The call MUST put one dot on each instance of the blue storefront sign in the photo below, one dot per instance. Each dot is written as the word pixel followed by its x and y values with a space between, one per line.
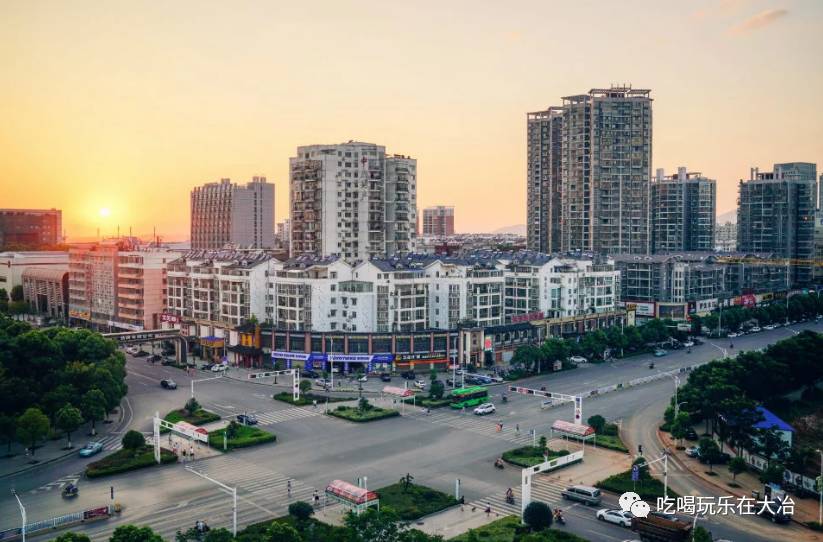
pixel 325 359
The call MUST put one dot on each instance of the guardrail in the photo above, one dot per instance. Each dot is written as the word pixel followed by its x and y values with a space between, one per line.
pixel 92 514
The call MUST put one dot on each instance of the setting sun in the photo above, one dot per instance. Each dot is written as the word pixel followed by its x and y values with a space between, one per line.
pixel 104 212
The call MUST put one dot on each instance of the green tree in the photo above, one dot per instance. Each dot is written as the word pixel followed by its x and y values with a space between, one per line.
pixel 282 532
pixel 542 442
pixel 709 452
pixel 301 510
pixel 72 537
pixel 67 420
pixel 17 293
pixel 32 426
pixel 305 386
pixel 93 406
pixel 680 426
pixel 406 481
pixel 772 446
pixel 773 474
pixel 737 465
pixel 192 406
pixel 132 533
pixel 538 515
pixel 437 389
pixel 133 440
pixel 218 535
pixel 8 430
pixel 700 534
pixel 597 422
pixel 374 526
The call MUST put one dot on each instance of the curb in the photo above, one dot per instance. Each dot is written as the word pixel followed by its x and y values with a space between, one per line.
pixel 718 486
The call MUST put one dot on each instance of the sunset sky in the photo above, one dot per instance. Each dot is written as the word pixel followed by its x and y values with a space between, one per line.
pixel 126 105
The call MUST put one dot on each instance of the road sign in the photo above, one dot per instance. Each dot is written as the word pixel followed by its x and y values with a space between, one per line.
pixel 635 473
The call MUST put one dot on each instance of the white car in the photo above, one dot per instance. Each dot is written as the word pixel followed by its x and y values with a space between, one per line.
pixel 420 384
pixel 755 329
pixel 618 517
pixel 321 382
pixel 688 344
pixel 485 408
pixel 732 335
pixel 770 326
pixel 495 378
pixel 364 378
pixel 578 359
pixel 218 368
pixel 132 350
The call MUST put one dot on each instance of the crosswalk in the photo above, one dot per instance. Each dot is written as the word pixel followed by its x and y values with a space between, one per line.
pixel 543 489
pixel 279 416
pixel 482 425
pixel 262 494
pixel 57 484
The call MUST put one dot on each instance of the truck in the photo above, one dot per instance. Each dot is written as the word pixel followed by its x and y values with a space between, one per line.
pixel 658 529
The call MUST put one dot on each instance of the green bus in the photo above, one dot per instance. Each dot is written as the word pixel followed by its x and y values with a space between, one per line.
pixel 469 397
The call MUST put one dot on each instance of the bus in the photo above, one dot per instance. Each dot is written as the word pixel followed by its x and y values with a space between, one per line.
pixel 469 397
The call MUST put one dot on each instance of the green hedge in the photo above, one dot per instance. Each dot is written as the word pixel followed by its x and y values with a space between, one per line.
pixel 353 414
pixel 416 502
pixel 309 398
pixel 647 487
pixel 428 403
pixel 127 460
pixel 529 456
pixel 246 436
pixel 509 529
pixel 200 417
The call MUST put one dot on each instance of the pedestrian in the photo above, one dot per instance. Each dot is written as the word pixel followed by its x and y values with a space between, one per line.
pixel 191 452
pixel 314 402
pixel 288 487
pixel 517 428
pixel 184 454
pixel 316 499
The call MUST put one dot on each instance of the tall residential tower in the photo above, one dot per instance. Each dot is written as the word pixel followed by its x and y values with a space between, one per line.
pixel 227 213
pixel 438 221
pixel 544 130
pixel 682 212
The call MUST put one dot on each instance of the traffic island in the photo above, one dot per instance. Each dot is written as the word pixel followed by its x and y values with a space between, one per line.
pixel 239 436
pixel 197 416
pixel 508 529
pixel 648 487
pixel 529 456
pixel 362 415
pixel 412 501
pixel 306 399
pixel 126 460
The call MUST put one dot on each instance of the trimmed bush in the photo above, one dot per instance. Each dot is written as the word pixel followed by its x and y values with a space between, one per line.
pixel 243 437
pixel 415 502
pixel 301 510
pixel 528 456
pixel 126 460
pixel 538 515
pixel 354 414
pixel 309 398
pixel 200 417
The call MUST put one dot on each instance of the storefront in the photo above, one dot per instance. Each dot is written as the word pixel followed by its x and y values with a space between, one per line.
pixel 344 363
pixel 421 362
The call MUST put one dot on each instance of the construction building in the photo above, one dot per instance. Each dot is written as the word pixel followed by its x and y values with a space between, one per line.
pixel 225 213
pixel 682 212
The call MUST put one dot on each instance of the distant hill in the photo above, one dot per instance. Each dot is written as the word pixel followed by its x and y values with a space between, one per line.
pixel 517 229
pixel 729 216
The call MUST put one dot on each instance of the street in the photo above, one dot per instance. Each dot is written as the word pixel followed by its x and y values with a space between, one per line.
pixel 312 449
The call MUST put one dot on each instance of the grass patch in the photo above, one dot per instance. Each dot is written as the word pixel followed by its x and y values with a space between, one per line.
pixel 354 414
pixel 416 502
pixel 611 442
pixel 245 436
pixel 529 456
pixel 199 417
pixel 647 487
pixel 127 460
pixel 309 398
pixel 425 402
pixel 508 529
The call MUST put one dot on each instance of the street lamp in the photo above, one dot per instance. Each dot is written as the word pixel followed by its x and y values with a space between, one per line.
pixel 22 513
pixel 819 491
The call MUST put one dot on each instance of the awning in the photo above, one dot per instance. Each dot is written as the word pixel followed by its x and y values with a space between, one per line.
pixel 350 492
pixel 400 392
pixel 576 429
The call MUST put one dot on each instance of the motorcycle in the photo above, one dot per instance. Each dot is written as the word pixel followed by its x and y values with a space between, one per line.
pixel 558 517
pixel 651 365
pixel 505 399
pixel 509 499
pixel 70 491
pixel 498 463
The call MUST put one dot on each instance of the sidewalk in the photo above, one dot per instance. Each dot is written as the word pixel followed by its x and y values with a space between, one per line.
pixel 804 509
pixel 54 450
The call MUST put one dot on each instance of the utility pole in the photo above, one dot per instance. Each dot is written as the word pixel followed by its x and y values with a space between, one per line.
pixel 226 489
pixel 22 513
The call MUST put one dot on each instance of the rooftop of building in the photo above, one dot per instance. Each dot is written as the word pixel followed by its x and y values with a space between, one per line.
pixel 50 273
pixel 688 256
pixel 234 257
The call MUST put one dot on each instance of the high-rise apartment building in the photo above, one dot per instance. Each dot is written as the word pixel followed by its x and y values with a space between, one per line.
pixel 682 212
pixel 775 214
pixel 544 130
pixel 227 213
pixel 352 200
pixel 30 228
pixel 725 237
pixel 118 285
pixel 605 170
pixel 438 221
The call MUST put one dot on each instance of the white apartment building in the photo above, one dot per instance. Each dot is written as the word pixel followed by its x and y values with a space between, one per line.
pixel 218 290
pixel 13 264
pixel 352 200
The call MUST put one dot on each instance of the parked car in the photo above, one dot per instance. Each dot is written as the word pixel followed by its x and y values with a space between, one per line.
pixel 693 451
pixel 494 378
pixel 141 354
pixel 588 495
pixel 659 353
pixel 485 408
pixel 733 335
pixel 770 327
pixel 691 434
pixel 385 377
pixel 420 384
pixel 755 329
pixel 450 382
pixel 721 459
pixel 307 373
pixel 688 344
pixel 321 382
pixel 168 384
pixel 408 375
pixel 247 419
pixel 578 359
pixel 618 517
pixel 363 378
pixel 154 358
pixel 90 449
pixel 218 367
pixel 133 350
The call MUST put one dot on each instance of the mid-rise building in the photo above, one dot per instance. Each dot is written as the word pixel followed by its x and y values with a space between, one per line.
pixel 775 215
pixel 543 189
pixel 14 264
pixel 46 291
pixel 22 229
pixel 605 170
pixel 725 237
pixel 682 212
pixel 117 284
pixel 352 200
pixel 226 213
pixel 438 221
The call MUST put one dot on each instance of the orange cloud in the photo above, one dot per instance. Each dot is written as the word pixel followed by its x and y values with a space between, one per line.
pixel 762 19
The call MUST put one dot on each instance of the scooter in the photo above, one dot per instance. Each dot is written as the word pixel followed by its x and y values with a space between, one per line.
pixel 505 399
pixel 70 491
pixel 651 365
pixel 558 517
pixel 498 464
pixel 509 499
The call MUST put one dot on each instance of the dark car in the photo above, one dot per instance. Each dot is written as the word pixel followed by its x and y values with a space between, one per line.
pixel 141 354
pixel 385 377
pixel 691 434
pixel 154 358
pixel 450 382
pixel 168 384
pixel 408 375
pixel 247 419
pixel 307 373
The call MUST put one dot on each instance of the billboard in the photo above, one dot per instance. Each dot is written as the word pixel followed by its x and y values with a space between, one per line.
pixel 170 318
pixel 672 311
pixel 536 315
pixel 642 308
